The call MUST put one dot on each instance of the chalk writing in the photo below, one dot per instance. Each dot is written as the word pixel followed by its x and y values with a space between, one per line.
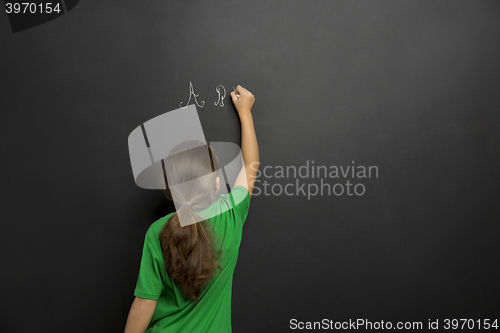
pixel 220 96
pixel 191 92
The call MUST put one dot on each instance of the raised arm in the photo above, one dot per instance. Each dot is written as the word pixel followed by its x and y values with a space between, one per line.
pixel 243 101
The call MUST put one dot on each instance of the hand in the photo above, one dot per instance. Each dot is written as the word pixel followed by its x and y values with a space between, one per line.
pixel 244 102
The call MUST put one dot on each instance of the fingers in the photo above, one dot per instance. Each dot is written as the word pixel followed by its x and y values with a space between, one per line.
pixel 240 90
pixel 233 96
pixel 242 98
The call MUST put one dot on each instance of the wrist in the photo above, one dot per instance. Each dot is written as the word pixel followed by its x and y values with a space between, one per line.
pixel 243 114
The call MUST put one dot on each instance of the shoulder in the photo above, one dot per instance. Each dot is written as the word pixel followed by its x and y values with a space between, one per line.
pixel 227 202
pixel 154 229
pixel 239 193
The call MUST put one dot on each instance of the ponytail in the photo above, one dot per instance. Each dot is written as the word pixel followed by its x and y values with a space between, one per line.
pixel 189 253
pixel 189 250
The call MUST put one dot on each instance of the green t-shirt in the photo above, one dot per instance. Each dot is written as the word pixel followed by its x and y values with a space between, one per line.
pixel 174 311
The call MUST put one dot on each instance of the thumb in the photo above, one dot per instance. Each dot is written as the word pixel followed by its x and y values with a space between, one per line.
pixel 233 96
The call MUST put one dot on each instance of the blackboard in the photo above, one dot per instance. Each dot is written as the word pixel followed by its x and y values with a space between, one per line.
pixel 409 88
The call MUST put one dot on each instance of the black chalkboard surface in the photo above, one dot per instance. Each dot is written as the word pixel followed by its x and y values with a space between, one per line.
pixel 403 93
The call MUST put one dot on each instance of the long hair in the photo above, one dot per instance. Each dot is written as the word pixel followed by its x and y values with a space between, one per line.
pixel 189 251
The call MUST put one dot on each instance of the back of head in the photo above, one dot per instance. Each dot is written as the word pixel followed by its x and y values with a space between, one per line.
pixel 191 171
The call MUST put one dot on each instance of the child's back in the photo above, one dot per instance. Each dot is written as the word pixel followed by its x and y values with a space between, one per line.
pixel 174 311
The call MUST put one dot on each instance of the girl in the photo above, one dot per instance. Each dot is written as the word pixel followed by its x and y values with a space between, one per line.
pixel 185 278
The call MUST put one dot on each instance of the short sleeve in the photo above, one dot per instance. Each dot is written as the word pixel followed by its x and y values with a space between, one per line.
pixel 149 283
pixel 240 199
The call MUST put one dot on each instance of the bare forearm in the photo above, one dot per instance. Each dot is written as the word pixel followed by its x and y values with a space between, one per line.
pixel 249 146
